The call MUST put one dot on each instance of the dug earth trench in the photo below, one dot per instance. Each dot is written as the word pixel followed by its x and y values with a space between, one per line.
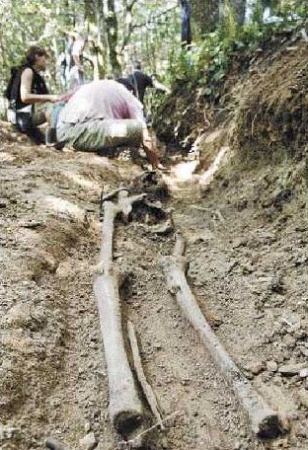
pixel 246 232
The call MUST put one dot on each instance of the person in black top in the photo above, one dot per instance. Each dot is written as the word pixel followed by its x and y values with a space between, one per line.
pixel 29 94
pixel 32 88
pixel 139 81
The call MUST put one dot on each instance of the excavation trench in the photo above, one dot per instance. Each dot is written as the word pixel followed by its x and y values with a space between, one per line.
pixel 126 412
pixel 55 383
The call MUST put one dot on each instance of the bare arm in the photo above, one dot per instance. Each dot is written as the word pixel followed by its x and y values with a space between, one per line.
pixel 77 62
pixel 77 51
pixel 160 86
pixel 25 90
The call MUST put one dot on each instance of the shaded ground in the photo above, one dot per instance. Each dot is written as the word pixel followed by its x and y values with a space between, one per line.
pixel 247 236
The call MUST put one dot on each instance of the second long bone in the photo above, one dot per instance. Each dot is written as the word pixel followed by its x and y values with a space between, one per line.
pixel 265 422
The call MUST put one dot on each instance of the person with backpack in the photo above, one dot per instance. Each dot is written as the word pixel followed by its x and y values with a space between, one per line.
pixel 28 94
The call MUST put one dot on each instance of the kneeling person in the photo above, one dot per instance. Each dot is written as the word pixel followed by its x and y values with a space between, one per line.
pixel 104 114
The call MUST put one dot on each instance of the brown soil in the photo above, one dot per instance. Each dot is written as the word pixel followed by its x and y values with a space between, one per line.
pixel 246 231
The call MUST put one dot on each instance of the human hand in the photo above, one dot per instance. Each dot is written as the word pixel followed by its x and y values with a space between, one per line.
pixel 162 168
pixel 55 98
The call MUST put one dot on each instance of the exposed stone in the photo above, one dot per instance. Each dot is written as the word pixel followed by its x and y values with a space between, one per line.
pixel 304 373
pixel 254 367
pixel 271 366
pixel 303 397
pixel 88 442
pixel 87 427
pixel 292 369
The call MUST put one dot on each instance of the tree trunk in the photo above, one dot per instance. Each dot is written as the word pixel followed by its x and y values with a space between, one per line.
pixel 205 15
pixel 238 9
pixel 112 37
pixel 185 22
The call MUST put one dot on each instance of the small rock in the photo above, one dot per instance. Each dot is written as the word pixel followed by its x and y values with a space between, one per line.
pixel 304 351
pixel 87 427
pixel 53 444
pixel 289 341
pixel 277 284
pixel 240 242
pixel 157 345
pixel 31 223
pixel 88 442
pixel 277 380
pixel 64 270
pixel 303 373
pixel 303 397
pixel 292 369
pixel 254 367
pixel 163 229
pixel 272 366
pixel 7 432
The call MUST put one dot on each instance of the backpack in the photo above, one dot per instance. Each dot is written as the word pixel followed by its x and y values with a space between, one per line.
pixel 9 88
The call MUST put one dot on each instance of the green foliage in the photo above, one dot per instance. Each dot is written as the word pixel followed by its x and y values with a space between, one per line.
pixel 143 28
pixel 205 66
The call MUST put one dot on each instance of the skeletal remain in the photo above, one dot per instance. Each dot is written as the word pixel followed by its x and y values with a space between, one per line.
pixel 147 389
pixel 130 444
pixel 265 422
pixel 125 407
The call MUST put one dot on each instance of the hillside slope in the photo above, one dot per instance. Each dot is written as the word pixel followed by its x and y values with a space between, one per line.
pixel 240 201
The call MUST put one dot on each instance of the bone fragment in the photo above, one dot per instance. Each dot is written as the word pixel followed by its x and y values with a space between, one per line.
pixel 111 195
pixel 125 407
pixel 167 420
pixel 265 422
pixel 147 389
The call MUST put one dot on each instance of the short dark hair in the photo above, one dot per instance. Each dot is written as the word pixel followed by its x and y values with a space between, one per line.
pixel 127 84
pixel 137 65
pixel 34 51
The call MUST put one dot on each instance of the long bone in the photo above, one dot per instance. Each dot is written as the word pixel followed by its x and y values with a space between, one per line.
pixel 125 407
pixel 265 422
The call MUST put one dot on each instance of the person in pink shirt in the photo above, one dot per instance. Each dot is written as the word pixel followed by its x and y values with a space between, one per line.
pixel 103 114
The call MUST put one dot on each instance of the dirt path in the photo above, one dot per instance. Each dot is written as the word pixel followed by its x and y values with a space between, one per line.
pixel 53 372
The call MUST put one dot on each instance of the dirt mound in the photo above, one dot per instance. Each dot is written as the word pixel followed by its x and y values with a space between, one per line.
pixel 273 108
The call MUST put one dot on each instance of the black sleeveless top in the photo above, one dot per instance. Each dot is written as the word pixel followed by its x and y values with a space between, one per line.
pixel 38 86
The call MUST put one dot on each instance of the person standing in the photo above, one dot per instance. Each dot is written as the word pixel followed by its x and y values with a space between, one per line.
pixel 77 76
pixel 141 81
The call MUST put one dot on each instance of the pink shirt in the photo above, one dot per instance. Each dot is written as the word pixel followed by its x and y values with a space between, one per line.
pixel 102 99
